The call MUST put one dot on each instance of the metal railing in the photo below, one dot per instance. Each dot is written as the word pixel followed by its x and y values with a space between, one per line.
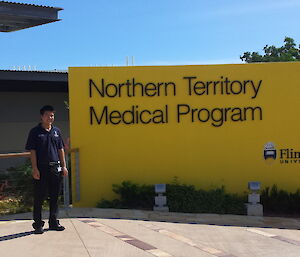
pixel 73 165
pixel 11 155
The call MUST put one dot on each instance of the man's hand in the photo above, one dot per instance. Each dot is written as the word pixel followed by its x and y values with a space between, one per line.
pixel 65 171
pixel 61 153
pixel 36 173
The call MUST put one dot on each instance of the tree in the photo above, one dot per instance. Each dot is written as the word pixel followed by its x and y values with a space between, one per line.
pixel 286 53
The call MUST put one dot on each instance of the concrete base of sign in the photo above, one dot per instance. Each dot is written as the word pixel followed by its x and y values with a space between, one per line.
pixel 254 209
pixel 158 208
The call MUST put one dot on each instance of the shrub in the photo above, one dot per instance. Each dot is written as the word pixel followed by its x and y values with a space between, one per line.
pixel 185 198
pixel 21 185
pixel 19 192
pixel 180 198
pixel 278 201
pixel 131 196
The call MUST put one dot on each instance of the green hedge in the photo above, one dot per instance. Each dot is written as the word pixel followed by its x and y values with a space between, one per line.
pixel 280 202
pixel 180 198
pixel 186 198
pixel 131 196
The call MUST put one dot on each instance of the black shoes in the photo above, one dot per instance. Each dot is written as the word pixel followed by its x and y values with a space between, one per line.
pixel 38 228
pixel 56 226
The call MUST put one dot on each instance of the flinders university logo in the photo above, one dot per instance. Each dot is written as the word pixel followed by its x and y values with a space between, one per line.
pixel 270 153
pixel 284 155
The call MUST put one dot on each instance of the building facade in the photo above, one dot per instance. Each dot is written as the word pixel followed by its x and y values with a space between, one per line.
pixel 22 94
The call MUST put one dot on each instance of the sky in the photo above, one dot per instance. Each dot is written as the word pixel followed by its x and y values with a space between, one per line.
pixel 154 32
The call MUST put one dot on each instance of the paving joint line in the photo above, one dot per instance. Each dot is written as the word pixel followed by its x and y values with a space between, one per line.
pixel 269 235
pixel 80 238
pixel 181 238
pixel 126 238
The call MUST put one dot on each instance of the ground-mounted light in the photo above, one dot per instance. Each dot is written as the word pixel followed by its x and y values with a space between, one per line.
pixel 254 208
pixel 160 200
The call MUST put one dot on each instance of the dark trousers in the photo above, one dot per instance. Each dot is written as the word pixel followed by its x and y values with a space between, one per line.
pixel 48 184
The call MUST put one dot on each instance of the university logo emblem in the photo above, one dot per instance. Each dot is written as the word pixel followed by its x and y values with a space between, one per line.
pixel 270 153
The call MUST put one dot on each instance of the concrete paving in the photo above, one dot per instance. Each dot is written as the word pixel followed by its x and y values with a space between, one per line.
pixel 98 236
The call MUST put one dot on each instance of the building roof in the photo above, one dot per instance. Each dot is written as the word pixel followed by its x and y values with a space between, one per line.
pixel 33 81
pixel 16 16
pixel 43 6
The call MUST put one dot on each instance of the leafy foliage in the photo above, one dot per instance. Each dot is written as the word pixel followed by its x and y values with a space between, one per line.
pixel 278 201
pixel 131 195
pixel 180 197
pixel 19 191
pixel 21 185
pixel 286 53
pixel 186 198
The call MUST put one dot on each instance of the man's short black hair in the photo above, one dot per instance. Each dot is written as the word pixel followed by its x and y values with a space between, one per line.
pixel 46 108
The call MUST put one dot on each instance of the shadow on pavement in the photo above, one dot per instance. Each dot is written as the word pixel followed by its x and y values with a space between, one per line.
pixel 14 236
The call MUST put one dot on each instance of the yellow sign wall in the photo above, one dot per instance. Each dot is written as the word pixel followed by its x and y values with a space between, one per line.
pixel 208 125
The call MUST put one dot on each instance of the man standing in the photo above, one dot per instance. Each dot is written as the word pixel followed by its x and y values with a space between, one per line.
pixel 48 166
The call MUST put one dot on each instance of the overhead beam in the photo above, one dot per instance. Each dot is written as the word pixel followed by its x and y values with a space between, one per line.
pixel 17 16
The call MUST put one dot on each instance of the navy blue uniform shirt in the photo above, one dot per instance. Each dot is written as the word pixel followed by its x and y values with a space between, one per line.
pixel 45 143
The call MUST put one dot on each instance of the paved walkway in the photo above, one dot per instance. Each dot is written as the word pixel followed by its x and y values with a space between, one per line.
pixel 86 237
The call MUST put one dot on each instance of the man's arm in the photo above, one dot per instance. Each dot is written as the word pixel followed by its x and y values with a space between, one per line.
pixel 35 170
pixel 62 159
